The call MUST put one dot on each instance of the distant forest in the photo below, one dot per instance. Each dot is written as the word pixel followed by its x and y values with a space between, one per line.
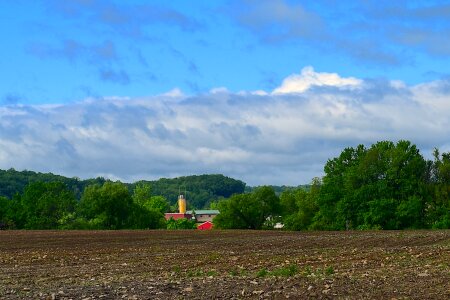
pixel 34 200
pixel 386 186
pixel 201 189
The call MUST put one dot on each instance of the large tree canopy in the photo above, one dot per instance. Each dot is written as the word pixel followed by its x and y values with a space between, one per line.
pixel 43 204
pixel 248 211
pixel 379 187
pixel 107 205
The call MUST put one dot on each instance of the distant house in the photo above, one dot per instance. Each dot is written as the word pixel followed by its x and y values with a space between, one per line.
pixel 205 226
pixel 203 215
pixel 177 216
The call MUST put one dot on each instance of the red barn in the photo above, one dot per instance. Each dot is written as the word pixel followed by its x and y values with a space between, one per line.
pixel 205 226
pixel 177 216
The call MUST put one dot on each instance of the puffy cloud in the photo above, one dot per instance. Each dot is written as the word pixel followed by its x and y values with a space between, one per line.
pixel 298 83
pixel 278 138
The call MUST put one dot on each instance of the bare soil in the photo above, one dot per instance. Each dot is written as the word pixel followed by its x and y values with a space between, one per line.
pixel 224 265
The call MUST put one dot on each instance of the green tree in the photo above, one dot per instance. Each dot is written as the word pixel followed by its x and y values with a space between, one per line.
pixel 142 194
pixel 157 203
pixel 7 216
pixel 365 187
pixel 148 211
pixel 300 206
pixel 438 204
pixel 107 206
pixel 250 211
pixel 43 204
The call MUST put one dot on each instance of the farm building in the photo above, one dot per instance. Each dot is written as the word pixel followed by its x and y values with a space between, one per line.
pixel 181 214
pixel 177 216
pixel 205 226
pixel 203 217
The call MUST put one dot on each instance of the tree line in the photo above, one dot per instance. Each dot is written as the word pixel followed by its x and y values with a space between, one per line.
pixel 202 189
pixel 385 186
pixel 52 205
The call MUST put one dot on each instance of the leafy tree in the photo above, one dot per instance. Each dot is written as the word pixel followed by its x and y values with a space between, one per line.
pixel 7 216
pixel 366 187
pixel 248 210
pixel 142 194
pixel 438 204
pixel 142 218
pixel 148 211
pixel 157 203
pixel 335 186
pixel 44 204
pixel 300 206
pixel 108 206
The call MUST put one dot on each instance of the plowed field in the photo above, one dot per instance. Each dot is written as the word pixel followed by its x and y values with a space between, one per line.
pixel 224 265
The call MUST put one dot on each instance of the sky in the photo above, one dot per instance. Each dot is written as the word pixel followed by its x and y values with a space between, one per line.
pixel 263 91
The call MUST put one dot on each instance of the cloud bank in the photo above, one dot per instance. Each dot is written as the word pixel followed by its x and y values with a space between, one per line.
pixel 282 136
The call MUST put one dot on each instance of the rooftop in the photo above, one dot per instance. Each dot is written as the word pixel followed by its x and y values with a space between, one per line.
pixel 204 212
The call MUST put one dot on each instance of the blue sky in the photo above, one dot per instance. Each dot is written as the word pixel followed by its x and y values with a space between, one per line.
pixel 264 91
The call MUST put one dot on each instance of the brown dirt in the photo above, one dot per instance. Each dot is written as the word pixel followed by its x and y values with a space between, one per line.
pixel 224 265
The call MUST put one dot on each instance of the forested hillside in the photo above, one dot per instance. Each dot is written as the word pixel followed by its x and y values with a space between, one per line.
pixel 13 182
pixel 200 189
pixel 30 200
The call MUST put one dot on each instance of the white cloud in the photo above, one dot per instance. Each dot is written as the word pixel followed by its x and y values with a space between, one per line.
pixel 299 83
pixel 174 93
pixel 219 90
pixel 283 138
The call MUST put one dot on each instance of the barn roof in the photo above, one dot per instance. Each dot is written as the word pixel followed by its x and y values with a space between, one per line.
pixel 204 212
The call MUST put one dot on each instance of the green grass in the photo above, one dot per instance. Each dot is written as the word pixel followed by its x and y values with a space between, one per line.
pixel 329 270
pixel 262 273
pixel 286 271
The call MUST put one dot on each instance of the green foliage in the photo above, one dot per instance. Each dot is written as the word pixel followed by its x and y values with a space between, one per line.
pixel 142 194
pixel 248 211
pixel 107 206
pixel 438 204
pixel 143 218
pixel 13 182
pixel 262 273
pixel 329 271
pixel 44 204
pixel 385 186
pixel 181 224
pixel 7 215
pixel 157 203
pixel 201 189
pixel 382 186
pixel 300 206
pixel 147 211
pixel 284 271
pixel 287 271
